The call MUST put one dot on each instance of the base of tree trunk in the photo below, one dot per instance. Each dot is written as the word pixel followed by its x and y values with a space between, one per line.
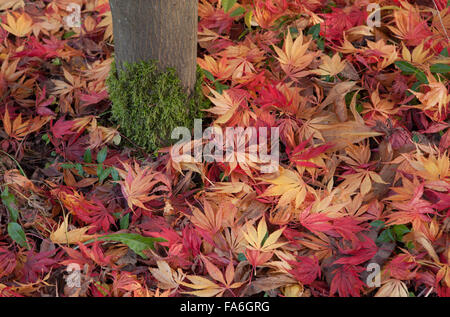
pixel 149 103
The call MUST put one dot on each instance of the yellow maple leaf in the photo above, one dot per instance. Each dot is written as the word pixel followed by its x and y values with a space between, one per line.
pixel 62 235
pixel 11 4
pixel 290 186
pixel 294 57
pixel 435 100
pixel 18 24
pixel 259 240
pixel 331 66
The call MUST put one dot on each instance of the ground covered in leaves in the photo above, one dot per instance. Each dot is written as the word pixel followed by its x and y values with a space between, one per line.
pixel 363 181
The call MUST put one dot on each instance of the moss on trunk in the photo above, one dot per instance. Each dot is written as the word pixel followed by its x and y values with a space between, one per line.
pixel 148 103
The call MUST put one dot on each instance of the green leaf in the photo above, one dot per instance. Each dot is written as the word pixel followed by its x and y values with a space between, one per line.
pixel 440 68
pixel 409 69
pixel 208 75
pixel 314 31
pixel 444 52
pixel 9 201
pixel 87 157
pixel 221 87
pixel 386 236
pixel 115 175
pixel 46 138
pixel 400 231
pixel 80 170
pixel 104 175
pixel 377 224
pixel 68 34
pixel 56 61
pixel 101 156
pixel 16 233
pixel 248 19
pixel 420 75
pixel 237 12
pixel 67 166
pixel 406 67
pixel 228 4
pixel 241 257
pixel 125 222
pixel 134 241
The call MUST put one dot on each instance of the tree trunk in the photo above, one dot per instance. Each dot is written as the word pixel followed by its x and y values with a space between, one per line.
pixel 162 30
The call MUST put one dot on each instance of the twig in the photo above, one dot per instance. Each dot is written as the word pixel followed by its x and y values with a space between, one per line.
pixel 440 19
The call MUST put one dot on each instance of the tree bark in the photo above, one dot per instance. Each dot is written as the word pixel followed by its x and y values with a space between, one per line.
pixel 162 30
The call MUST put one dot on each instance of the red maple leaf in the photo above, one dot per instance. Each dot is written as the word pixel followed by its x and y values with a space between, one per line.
pixel 306 270
pixel 346 281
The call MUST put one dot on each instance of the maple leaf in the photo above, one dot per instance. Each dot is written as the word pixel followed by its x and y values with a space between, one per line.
pixel 166 276
pixel 63 236
pixel 95 254
pixel 208 288
pixel 18 24
pixel 125 282
pixel 415 211
pixel 309 158
pixel 346 281
pixel 37 264
pixel 209 220
pixel 294 57
pixel 290 186
pixel 306 270
pixel 7 262
pixel 331 66
pixel 393 288
pixel 222 70
pixel 410 26
pixel 225 105
pixel 359 252
pixel 12 4
pixel 436 100
pixel 18 129
pixel 260 240
pixel 140 182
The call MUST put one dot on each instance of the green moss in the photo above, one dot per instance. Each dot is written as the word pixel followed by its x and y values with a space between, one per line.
pixel 148 104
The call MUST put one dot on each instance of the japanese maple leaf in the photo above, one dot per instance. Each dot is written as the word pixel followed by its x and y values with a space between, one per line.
pixel 260 245
pixel 347 227
pixel 315 222
pixel 308 157
pixel 306 270
pixel 210 220
pixel 221 69
pixel 225 105
pixel 95 214
pixel 18 24
pixel 346 281
pixel 142 184
pixel 93 98
pixel 402 267
pixel 359 252
pixel 290 186
pixel 207 288
pixel 214 18
pixel 7 261
pixel 410 26
pixel 96 254
pixel 125 282
pixel 436 101
pixel 37 264
pixel 415 211
pixel 41 105
pixel 294 57
pixel 61 128
pixel 331 66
